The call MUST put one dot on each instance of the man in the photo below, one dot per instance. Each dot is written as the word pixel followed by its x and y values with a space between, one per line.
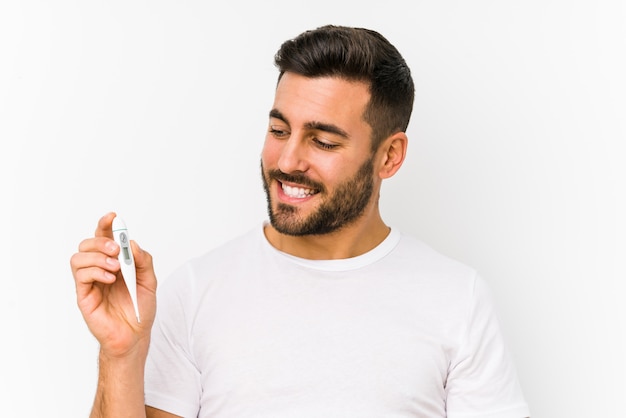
pixel 324 311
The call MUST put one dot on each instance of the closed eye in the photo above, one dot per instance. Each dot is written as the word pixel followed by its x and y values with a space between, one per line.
pixel 324 145
pixel 278 133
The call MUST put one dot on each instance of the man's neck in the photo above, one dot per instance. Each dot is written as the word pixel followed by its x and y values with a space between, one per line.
pixel 349 241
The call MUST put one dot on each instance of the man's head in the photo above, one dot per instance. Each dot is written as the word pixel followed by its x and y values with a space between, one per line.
pixel 342 104
pixel 361 55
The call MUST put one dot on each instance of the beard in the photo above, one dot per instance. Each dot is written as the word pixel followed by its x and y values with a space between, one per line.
pixel 339 209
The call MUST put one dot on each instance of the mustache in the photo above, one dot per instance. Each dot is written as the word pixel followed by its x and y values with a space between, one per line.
pixel 300 179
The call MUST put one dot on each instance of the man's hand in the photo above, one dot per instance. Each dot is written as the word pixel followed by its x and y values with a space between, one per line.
pixel 103 298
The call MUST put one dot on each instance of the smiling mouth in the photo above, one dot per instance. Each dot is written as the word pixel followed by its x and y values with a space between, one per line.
pixel 297 192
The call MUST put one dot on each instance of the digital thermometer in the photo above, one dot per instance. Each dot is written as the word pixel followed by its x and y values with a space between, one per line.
pixel 127 262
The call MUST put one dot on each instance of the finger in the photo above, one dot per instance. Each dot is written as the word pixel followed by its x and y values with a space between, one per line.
pixel 84 260
pixel 91 275
pixel 104 225
pixel 100 244
pixel 90 268
pixel 87 277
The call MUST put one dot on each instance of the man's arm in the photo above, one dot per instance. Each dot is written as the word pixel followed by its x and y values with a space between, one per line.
pixel 108 310
pixel 120 387
pixel 157 413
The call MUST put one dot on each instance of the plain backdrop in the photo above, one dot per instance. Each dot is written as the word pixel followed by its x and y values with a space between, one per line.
pixel 158 110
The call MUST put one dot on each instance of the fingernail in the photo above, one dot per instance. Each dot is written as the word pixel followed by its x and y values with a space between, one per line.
pixel 110 246
pixel 111 261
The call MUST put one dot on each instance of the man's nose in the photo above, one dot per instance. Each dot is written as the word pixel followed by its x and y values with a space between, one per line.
pixel 293 156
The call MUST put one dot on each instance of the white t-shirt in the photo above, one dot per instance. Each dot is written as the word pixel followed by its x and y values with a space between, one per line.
pixel 401 331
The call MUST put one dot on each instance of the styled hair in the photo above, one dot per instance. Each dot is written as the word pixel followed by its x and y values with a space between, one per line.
pixel 356 54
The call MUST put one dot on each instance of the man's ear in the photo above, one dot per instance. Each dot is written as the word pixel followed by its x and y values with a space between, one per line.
pixel 392 153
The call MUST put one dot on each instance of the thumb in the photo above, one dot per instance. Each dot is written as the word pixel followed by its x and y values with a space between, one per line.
pixel 144 267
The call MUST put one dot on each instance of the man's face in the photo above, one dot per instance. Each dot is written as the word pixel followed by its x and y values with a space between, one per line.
pixel 317 164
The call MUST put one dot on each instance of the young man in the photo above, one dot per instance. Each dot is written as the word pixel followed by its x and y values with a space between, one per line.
pixel 324 311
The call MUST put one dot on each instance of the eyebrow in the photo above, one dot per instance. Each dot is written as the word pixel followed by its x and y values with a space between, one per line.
pixel 320 126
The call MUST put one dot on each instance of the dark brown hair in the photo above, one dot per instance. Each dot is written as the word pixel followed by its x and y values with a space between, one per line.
pixel 361 55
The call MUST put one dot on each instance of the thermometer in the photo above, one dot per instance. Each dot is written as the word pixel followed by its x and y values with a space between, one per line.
pixel 127 262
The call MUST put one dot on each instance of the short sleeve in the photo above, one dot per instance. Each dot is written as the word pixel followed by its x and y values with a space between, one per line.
pixel 482 381
pixel 172 381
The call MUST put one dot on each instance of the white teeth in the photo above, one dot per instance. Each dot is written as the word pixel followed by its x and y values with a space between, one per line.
pixel 297 192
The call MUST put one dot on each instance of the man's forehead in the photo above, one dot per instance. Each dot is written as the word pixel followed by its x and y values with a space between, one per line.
pixel 320 97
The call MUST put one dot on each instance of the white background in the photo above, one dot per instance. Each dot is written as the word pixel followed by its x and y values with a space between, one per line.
pixel 157 110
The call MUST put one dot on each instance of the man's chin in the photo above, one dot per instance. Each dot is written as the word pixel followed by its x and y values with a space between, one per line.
pixel 301 227
pixel 288 227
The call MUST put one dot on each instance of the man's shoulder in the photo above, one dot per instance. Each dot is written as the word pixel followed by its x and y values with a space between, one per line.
pixel 242 245
pixel 220 258
pixel 417 252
